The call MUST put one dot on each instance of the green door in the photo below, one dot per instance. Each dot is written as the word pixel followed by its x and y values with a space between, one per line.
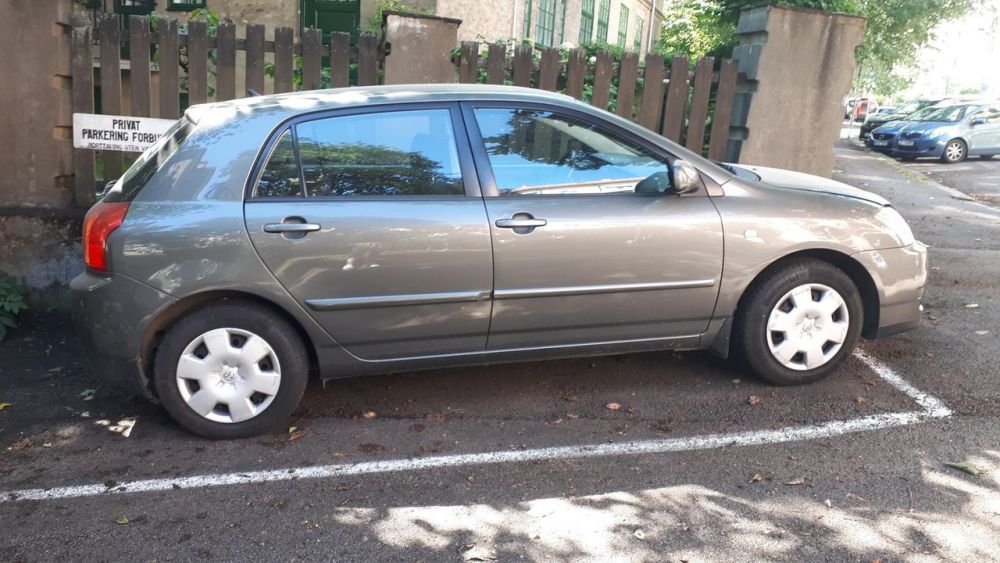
pixel 332 15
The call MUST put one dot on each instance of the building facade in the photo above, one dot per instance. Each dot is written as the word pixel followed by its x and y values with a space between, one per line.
pixel 629 24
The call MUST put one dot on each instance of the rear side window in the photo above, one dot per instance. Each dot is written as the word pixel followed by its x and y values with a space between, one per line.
pixel 393 153
pixel 280 177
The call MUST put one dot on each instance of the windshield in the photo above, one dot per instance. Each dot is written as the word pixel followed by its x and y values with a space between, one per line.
pixel 950 114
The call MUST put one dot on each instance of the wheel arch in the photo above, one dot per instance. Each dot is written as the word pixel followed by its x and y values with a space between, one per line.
pixel 178 310
pixel 870 301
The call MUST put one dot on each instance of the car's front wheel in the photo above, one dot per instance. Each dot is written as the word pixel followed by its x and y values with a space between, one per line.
pixel 799 323
pixel 231 370
pixel 954 152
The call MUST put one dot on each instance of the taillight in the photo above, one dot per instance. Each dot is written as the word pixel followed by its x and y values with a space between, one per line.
pixel 99 223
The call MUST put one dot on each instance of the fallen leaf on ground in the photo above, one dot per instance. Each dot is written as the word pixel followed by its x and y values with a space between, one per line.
pixel 557 421
pixel 966 467
pixel 121 520
pixel 472 552
pixel 828 503
pixel 860 400
pixel 982 332
pixel 799 481
pixel 5 405
pixel 972 305
pixel 436 417
pixel 370 414
pixel 572 415
pixel 737 381
pixel 292 429
pixel 297 435
pixel 757 477
pixel 88 394
pixel 639 534
pixel 569 398
pixel 753 400
pixel 612 406
pixel 19 445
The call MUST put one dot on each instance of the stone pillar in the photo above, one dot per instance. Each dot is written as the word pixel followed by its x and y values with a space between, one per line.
pixel 420 48
pixel 798 65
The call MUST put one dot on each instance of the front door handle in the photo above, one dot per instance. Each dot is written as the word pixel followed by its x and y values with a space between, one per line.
pixel 291 227
pixel 517 223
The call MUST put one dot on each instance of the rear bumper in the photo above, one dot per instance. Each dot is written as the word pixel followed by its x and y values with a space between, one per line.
pixel 111 314
pixel 900 275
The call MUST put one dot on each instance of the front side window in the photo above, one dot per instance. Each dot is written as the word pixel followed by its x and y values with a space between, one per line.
pixel 538 152
pixel 379 154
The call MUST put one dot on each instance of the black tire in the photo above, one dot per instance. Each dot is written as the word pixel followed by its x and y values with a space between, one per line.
pixel 750 334
pixel 962 151
pixel 277 333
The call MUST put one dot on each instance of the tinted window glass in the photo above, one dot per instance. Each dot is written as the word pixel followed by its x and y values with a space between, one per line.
pixel 539 152
pixel 280 177
pixel 150 162
pixel 391 153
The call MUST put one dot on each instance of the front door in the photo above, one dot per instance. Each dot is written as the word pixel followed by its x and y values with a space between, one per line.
pixel 579 256
pixel 331 16
pixel 368 220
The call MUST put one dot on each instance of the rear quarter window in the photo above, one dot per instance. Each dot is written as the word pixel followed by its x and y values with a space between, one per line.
pixel 150 162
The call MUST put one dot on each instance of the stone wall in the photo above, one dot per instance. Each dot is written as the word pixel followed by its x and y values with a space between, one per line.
pixel 799 64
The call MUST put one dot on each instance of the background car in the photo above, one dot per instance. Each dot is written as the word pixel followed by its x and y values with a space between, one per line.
pixel 880 117
pixel 386 229
pixel 951 133
pixel 883 138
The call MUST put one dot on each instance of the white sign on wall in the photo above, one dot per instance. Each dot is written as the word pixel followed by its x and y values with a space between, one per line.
pixel 117 132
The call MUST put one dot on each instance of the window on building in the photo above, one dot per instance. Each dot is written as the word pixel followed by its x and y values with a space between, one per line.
pixel 527 19
pixel 622 26
pixel 587 22
pixel 546 22
pixel 185 5
pixel 637 42
pixel 603 16
pixel 134 7
pixel 562 24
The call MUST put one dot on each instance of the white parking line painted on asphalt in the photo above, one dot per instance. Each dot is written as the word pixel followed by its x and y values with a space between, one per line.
pixel 931 408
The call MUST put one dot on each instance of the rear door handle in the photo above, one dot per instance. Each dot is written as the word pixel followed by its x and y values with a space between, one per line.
pixel 521 223
pixel 291 227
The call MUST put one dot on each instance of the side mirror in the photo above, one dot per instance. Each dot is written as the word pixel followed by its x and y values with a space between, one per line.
pixel 685 178
pixel 654 184
pixel 979 121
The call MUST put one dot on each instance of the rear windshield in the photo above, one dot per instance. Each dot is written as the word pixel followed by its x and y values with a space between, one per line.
pixel 129 185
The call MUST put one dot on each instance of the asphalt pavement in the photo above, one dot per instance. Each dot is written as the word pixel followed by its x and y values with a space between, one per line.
pixel 657 456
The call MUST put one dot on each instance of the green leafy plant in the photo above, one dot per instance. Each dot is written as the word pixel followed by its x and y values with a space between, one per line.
pixel 11 303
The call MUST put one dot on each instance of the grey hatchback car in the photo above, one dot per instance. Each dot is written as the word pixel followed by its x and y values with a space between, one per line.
pixel 386 229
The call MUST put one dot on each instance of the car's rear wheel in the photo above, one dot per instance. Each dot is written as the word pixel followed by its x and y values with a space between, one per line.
pixel 799 323
pixel 231 370
pixel 955 151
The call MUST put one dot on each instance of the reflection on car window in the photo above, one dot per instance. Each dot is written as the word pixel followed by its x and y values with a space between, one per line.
pixel 949 114
pixel 539 152
pixel 280 177
pixel 390 153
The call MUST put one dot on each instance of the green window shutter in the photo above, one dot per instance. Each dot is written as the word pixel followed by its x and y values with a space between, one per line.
pixel 331 16
pixel 527 19
pixel 587 22
pixel 637 42
pixel 622 26
pixel 546 22
pixel 603 16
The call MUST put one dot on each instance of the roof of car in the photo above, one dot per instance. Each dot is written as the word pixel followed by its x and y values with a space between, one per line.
pixel 282 106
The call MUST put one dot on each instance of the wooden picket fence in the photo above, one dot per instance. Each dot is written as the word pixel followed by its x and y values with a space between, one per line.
pixel 669 100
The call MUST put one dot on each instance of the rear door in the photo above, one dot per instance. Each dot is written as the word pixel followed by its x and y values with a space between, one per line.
pixel 579 256
pixel 372 219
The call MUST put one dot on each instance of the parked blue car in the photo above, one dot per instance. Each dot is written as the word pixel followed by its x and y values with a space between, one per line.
pixel 951 133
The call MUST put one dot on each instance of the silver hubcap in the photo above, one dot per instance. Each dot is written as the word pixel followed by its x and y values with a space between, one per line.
pixel 954 151
pixel 228 375
pixel 807 327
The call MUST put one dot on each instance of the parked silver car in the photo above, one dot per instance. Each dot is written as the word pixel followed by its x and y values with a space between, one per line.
pixel 386 229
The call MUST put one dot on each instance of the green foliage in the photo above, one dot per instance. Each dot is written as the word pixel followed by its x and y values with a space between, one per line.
pixel 11 303
pixel 895 30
